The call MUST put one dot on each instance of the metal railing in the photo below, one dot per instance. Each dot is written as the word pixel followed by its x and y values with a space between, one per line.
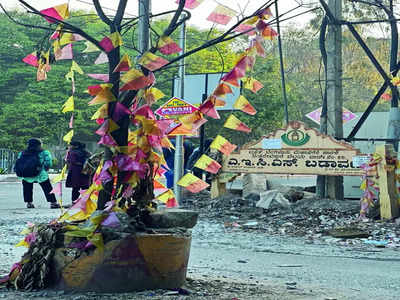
pixel 7 160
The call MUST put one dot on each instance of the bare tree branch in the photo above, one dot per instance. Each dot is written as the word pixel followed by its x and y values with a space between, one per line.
pixel 101 13
pixel 120 13
pixel 69 26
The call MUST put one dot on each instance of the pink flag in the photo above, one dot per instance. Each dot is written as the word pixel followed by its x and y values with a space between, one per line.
pixel 221 15
pixel 57 190
pixel 71 121
pixel 120 111
pixel 145 111
pixel 111 221
pixel 107 140
pixel 101 59
pixel 245 28
pixel 208 108
pixel 191 4
pixel 31 59
pixel 64 53
pixel 103 77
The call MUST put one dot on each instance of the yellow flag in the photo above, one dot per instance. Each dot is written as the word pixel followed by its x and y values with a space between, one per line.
pixel 66 38
pixel 75 67
pixel 101 113
pixel 104 96
pixel 90 47
pixel 68 105
pixel 132 74
pixel 164 197
pixel 68 137
pixel 112 126
pixel 60 176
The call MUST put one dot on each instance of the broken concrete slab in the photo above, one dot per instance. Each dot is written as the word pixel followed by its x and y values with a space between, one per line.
pixel 172 217
pixel 253 184
pixel 270 198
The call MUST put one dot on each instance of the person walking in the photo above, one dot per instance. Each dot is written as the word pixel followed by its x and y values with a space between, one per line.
pixel 31 166
pixel 76 157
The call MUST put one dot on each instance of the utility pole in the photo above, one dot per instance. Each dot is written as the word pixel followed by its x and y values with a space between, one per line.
pixel 144 25
pixel 334 184
pixel 178 158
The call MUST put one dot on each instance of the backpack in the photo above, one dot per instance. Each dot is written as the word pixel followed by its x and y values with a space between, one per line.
pixel 28 165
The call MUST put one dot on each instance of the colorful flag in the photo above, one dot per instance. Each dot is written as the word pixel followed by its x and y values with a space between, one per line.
pixel 102 77
pixel 90 47
pixel 168 198
pixel 71 122
pixel 221 15
pixel 222 89
pixel 208 164
pixel 111 42
pixel 245 28
pixel 221 144
pixel 234 123
pixel 252 84
pixel 64 53
pixel 104 96
pixel 68 137
pixel 244 105
pixel 76 68
pixel 159 188
pixel 192 183
pixel 208 108
pixel 101 59
pixel 120 111
pixel 136 80
pixel 124 64
pixel 31 59
pixel 266 31
pixel 167 46
pixel 93 90
pixel 68 105
pixel 101 113
pixel 152 95
pixel 59 12
pixel 152 62
pixel 191 4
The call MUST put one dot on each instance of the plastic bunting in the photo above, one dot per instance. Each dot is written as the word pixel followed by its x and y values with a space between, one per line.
pixel 245 28
pixel 234 123
pixel 68 137
pixel 167 46
pixel 68 105
pixel 208 108
pixel 57 190
pixel 101 59
pixel 222 145
pixel 107 127
pixel 152 62
pixel 192 183
pixel 222 89
pixel 136 80
pixel 168 198
pixel 102 77
pixel 103 96
pixel 191 4
pixel 64 53
pixel 208 164
pixel 244 105
pixel 59 12
pixel 221 15
pixel 252 84
pixel 90 47
pixel 71 122
pixel 76 68
pixel 101 113
pixel 152 95
pixel 266 31
pixel 120 111
pixel 124 64
pixel 60 176
pixel 159 188
pixel 111 42
pixel 31 59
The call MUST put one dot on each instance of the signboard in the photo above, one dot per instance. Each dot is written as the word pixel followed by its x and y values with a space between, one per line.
pixel 303 151
pixel 175 107
pixel 316 115
pixel 198 84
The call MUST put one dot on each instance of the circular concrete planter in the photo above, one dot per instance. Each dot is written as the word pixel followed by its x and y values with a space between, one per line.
pixel 136 262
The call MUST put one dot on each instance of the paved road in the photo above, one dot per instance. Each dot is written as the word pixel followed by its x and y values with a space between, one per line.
pixel 337 271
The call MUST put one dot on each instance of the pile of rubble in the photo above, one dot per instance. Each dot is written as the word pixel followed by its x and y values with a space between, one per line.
pixel 294 211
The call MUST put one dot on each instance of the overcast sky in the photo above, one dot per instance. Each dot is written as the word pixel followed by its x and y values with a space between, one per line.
pixel 199 14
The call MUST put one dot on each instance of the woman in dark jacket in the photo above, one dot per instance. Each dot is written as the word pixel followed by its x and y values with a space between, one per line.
pixel 76 158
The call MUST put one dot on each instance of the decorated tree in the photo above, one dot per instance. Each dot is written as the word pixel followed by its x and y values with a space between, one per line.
pixel 126 179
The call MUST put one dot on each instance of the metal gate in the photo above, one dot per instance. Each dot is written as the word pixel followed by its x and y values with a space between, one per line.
pixel 7 160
